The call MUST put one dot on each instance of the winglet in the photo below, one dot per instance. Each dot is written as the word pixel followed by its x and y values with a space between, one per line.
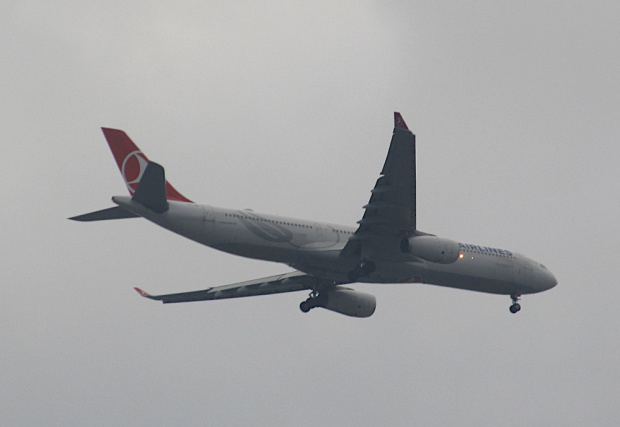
pixel 144 294
pixel 399 122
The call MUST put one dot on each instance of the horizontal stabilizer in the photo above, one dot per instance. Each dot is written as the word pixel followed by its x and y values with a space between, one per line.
pixel 151 191
pixel 111 213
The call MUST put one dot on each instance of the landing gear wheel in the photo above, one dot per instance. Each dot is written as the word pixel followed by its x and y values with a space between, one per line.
pixel 515 307
pixel 314 300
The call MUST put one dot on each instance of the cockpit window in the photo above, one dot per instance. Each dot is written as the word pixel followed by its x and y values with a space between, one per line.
pixel 543 266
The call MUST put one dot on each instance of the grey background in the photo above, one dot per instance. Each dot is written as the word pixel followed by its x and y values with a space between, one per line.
pixel 286 108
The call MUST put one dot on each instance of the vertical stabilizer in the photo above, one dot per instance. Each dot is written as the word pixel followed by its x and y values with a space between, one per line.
pixel 151 192
pixel 132 162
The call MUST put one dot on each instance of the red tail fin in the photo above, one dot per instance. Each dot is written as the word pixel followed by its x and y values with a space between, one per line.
pixel 132 162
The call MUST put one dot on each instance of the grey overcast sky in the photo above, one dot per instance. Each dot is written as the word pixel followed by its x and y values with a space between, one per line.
pixel 286 108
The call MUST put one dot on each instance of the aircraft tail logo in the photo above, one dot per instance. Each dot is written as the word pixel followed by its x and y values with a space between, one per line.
pixel 132 162
pixel 133 168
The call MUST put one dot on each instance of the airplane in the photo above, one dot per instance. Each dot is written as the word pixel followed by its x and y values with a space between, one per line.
pixel 385 247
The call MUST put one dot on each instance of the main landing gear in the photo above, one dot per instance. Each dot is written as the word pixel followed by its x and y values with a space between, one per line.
pixel 314 300
pixel 364 268
pixel 515 307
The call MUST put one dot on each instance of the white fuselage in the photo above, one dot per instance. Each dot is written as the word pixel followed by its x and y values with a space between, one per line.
pixel 317 249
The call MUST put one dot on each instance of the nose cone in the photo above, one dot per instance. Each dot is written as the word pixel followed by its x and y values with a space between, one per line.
pixel 547 280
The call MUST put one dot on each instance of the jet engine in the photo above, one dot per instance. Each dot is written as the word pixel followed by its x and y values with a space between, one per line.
pixel 350 303
pixel 431 248
pixel 342 300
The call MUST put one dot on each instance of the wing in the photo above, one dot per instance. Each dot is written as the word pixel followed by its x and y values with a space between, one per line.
pixel 290 282
pixel 392 206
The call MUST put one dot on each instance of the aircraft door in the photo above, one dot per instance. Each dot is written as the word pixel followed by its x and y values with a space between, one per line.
pixel 198 213
pixel 209 216
pixel 320 231
pixel 325 236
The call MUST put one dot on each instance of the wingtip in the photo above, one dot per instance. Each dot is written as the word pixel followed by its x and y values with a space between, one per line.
pixel 142 293
pixel 399 122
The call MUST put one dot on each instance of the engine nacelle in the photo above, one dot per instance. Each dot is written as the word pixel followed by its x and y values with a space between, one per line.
pixel 431 248
pixel 350 302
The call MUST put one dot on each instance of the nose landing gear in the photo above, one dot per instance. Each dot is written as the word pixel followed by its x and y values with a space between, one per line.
pixel 515 307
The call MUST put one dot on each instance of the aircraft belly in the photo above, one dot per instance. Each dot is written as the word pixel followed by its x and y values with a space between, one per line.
pixel 501 286
pixel 327 264
pixel 188 220
pixel 261 252
pixel 488 276
pixel 482 276
pixel 279 252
